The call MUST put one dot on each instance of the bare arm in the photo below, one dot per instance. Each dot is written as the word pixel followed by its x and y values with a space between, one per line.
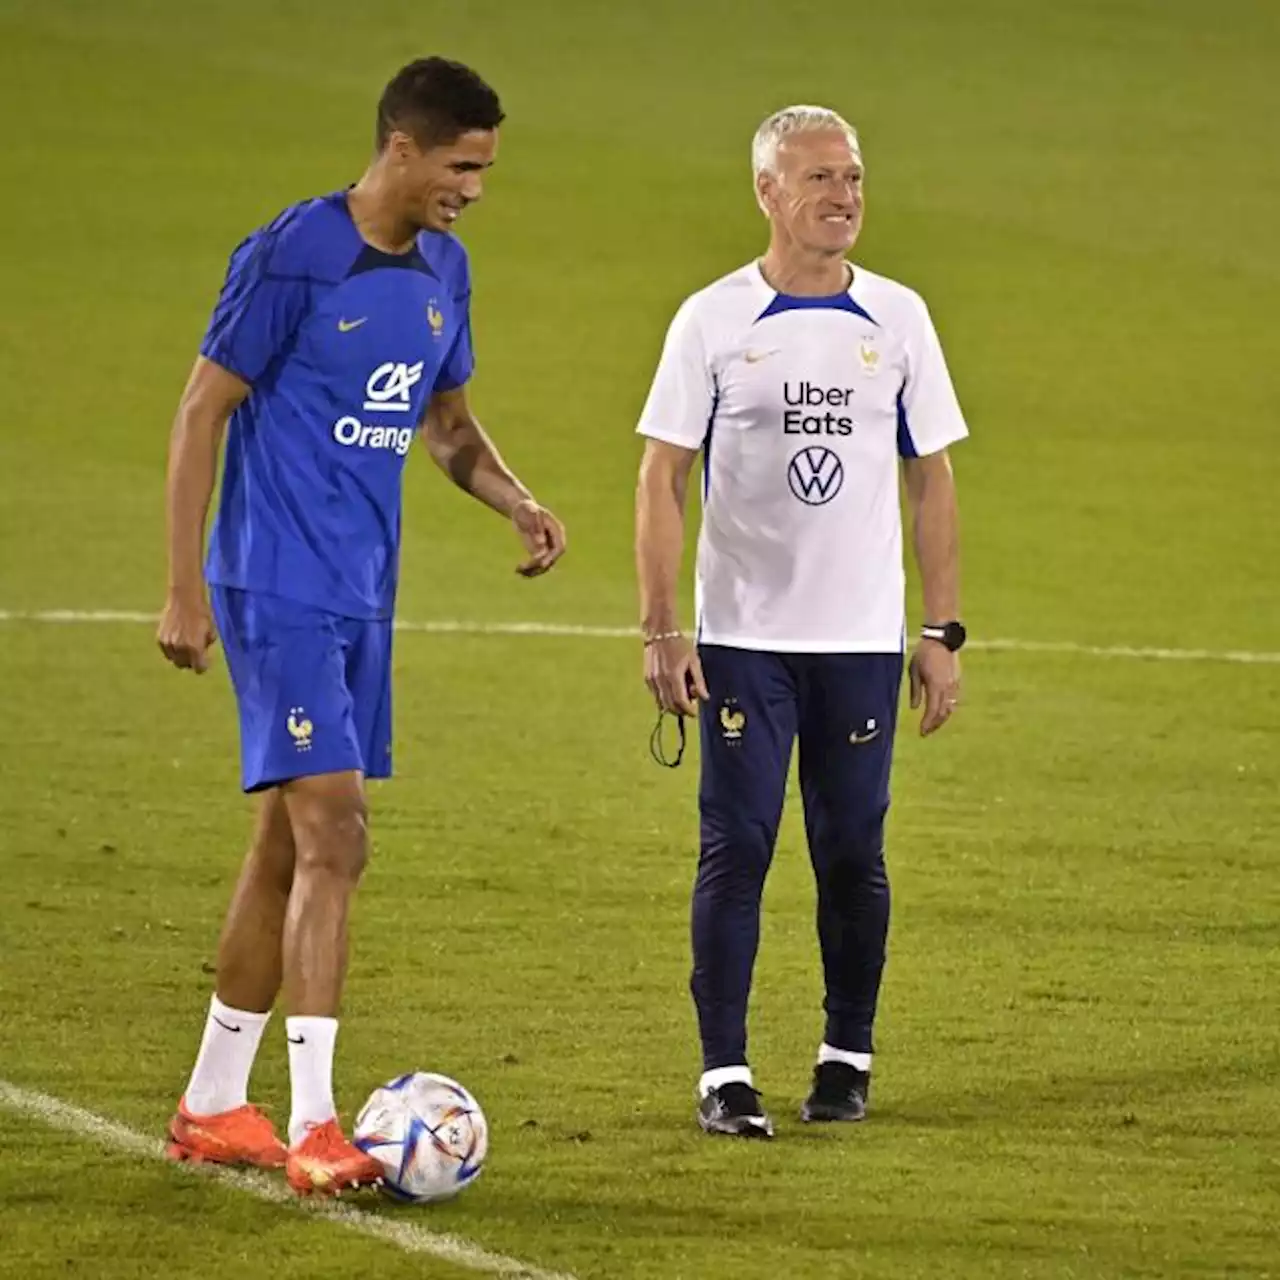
pixel 660 501
pixel 931 495
pixel 460 448
pixel 672 670
pixel 211 396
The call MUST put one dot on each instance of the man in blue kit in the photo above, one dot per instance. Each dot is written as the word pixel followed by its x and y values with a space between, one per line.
pixel 343 329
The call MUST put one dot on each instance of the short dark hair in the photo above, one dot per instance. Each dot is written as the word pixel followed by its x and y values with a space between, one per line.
pixel 435 100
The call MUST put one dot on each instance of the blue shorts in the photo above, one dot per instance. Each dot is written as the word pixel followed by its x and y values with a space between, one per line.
pixel 313 688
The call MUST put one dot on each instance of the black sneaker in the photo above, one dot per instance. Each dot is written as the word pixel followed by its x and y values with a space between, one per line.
pixel 839 1093
pixel 734 1109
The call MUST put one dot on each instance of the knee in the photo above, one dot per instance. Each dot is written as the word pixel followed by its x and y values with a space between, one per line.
pixel 331 835
pixel 271 854
pixel 736 851
pixel 854 859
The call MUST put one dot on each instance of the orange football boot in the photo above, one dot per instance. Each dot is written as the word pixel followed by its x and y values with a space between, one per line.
pixel 243 1136
pixel 325 1162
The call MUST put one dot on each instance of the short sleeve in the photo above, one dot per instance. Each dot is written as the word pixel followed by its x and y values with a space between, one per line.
pixel 682 398
pixel 258 311
pixel 460 363
pixel 929 416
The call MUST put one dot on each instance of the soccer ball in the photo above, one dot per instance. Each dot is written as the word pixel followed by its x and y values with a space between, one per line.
pixel 427 1132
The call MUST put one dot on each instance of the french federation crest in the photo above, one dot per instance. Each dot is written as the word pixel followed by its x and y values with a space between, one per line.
pixel 733 721
pixel 300 728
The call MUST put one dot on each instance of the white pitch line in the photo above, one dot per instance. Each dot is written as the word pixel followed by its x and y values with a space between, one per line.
pixel 1246 656
pixel 406 1236
pixel 456 626
pixel 75 615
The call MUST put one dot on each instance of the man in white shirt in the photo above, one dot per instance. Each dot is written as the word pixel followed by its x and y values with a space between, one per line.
pixel 804 381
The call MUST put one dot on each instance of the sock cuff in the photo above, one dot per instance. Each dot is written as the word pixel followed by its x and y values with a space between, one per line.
pixel 829 1053
pixel 717 1076
pixel 313 1027
pixel 228 1014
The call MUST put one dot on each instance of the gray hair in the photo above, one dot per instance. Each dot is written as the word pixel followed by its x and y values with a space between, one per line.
pixel 800 119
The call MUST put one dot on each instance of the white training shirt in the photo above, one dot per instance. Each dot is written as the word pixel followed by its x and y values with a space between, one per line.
pixel 802 407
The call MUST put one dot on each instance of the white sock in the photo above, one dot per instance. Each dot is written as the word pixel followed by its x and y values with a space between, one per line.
pixel 220 1079
pixel 829 1053
pixel 717 1076
pixel 310 1072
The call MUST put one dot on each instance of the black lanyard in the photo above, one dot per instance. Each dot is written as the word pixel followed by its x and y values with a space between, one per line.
pixel 657 748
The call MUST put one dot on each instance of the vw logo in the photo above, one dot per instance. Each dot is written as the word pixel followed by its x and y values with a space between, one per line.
pixel 815 475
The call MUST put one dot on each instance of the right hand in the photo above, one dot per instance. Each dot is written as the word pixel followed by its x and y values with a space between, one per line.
pixel 674 675
pixel 186 631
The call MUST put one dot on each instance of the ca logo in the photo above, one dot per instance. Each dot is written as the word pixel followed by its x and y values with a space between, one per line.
pixel 389 385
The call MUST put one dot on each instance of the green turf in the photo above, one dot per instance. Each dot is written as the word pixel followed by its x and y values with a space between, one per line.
pixel 1078 1042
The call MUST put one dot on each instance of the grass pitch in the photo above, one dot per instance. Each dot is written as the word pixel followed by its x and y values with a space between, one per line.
pixel 1079 1042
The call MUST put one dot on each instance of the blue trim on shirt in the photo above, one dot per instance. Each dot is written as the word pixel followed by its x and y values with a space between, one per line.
pixel 706 441
pixel 827 302
pixel 706 462
pixel 906 445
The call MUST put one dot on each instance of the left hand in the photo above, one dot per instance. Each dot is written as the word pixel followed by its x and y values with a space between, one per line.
pixel 542 535
pixel 935 682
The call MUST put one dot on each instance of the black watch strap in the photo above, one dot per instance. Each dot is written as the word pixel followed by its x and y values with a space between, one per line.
pixel 952 634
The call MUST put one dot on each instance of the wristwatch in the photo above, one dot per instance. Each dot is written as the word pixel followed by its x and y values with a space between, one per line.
pixel 952 634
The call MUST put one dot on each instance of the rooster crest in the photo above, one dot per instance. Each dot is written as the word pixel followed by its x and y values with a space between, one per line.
pixel 300 728
pixel 732 721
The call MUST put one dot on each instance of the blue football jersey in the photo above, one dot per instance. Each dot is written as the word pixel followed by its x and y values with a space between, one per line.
pixel 342 346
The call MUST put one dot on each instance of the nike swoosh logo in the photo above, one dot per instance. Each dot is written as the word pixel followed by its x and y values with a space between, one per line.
pixel 226 1026
pixel 860 739
pixel 299 1040
pixel 345 326
pixel 754 357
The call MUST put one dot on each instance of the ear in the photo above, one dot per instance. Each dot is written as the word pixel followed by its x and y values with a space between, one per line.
pixel 766 186
pixel 400 146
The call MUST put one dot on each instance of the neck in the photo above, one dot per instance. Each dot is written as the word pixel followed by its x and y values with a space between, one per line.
pixel 377 214
pixel 804 272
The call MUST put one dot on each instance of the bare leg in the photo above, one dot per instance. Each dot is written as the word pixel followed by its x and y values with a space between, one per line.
pixel 330 832
pixel 248 981
pixel 250 949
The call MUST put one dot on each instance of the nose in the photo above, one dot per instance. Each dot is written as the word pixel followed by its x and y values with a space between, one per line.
pixel 850 193
pixel 472 187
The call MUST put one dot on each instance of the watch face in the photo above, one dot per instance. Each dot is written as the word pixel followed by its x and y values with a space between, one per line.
pixel 951 634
